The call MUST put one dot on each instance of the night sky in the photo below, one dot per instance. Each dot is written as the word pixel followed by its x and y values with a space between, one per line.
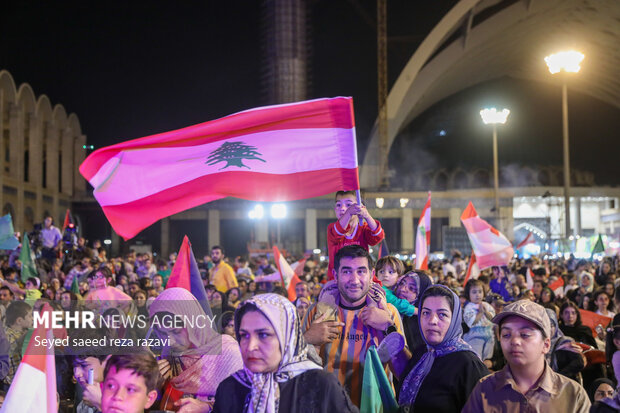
pixel 130 69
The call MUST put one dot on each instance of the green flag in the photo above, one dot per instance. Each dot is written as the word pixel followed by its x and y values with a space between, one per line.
pixel 26 257
pixel 75 289
pixel 599 247
pixel 377 393
pixel 8 240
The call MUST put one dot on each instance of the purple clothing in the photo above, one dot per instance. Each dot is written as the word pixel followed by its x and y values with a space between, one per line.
pixel 50 237
pixel 500 288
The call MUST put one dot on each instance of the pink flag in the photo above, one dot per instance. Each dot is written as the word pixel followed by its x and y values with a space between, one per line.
pixel 423 237
pixel 490 246
pixel 527 240
pixel 275 153
pixel 472 270
pixel 33 389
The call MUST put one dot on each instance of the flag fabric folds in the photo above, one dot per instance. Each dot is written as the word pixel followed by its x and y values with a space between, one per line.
pixel 529 239
pixel 33 389
pixel 288 276
pixel 377 393
pixel 529 279
pixel 275 153
pixel 473 271
pixel 591 319
pixel 599 247
pixel 26 257
pixel 68 221
pixel 558 287
pixel 423 237
pixel 491 247
pixel 185 274
pixel 8 240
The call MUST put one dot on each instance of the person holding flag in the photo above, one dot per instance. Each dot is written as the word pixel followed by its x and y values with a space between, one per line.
pixel 423 237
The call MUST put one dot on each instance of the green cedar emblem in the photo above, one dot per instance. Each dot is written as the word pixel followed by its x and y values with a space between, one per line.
pixel 233 153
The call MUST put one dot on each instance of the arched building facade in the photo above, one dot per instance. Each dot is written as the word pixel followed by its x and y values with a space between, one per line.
pixel 41 148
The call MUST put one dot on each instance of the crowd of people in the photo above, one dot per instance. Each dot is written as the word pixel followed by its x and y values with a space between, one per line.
pixel 510 339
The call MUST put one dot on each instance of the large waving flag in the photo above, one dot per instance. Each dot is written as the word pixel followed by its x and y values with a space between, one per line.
pixel 490 246
pixel 8 240
pixel 275 153
pixel 33 389
pixel 423 237
pixel 377 393
pixel 185 274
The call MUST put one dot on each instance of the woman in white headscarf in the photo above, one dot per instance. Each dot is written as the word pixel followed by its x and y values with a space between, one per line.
pixel 278 373
pixel 196 359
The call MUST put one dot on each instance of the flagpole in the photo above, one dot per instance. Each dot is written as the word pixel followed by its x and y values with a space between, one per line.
pixel 359 202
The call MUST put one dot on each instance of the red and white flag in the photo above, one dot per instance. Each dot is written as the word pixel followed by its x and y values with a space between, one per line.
pixel 33 389
pixel 529 279
pixel 491 247
pixel 527 240
pixel 275 153
pixel 473 271
pixel 558 287
pixel 287 274
pixel 423 237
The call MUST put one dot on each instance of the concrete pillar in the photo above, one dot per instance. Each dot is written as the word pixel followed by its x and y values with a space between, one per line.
pixel 2 162
pixel 67 167
pixel 261 230
pixel 35 152
pixel 311 229
pixel 116 243
pixel 51 155
pixel 406 229
pixel 165 237
pixel 16 156
pixel 454 217
pixel 577 220
pixel 507 218
pixel 214 227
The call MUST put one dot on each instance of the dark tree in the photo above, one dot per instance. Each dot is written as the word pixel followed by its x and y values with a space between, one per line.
pixel 233 153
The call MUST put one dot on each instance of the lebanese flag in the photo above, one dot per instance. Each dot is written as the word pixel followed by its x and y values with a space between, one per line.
pixel 558 287
pixel 33 389
pixel 491 247
pixel 473 271
pixel 423 237
pixel 527 240
pixel 591 319
pixel 298 266
pixel 185 274
pixel 287 274
pixel 274 153
pixel 529 279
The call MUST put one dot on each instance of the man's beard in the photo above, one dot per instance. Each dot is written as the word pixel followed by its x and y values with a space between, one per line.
pixel 343 293
pixel 216 261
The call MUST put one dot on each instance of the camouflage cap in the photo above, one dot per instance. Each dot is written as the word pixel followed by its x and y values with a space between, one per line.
pixel 528 310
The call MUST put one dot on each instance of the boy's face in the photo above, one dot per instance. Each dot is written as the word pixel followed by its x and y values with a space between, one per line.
pixel 125 392
pixel 81 367
pixel 343 202
pixel 522 342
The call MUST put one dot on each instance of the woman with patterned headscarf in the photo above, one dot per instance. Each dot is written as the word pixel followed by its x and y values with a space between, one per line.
pixel 444 376
pixel 196 359
pixel 278 374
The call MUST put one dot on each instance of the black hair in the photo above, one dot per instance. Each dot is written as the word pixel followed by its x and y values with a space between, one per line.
pixel 352 251
pixel 241 311
pixel 344 193
pixel 4 287
pixel 17 309
pixel 438 291
pixel 141 364
pixel 217 247
pixel 227 316
pixel 471 284
pixel 574 306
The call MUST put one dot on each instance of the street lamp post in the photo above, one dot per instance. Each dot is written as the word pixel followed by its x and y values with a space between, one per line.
pixel 493 117
pixel 567 62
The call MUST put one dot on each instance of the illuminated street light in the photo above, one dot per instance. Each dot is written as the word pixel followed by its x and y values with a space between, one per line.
pixel 404 202
pixel 278 211
pixel 493 117
pixel 257 213
pixel 567 62
pixel 107 241
pixel 379 202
